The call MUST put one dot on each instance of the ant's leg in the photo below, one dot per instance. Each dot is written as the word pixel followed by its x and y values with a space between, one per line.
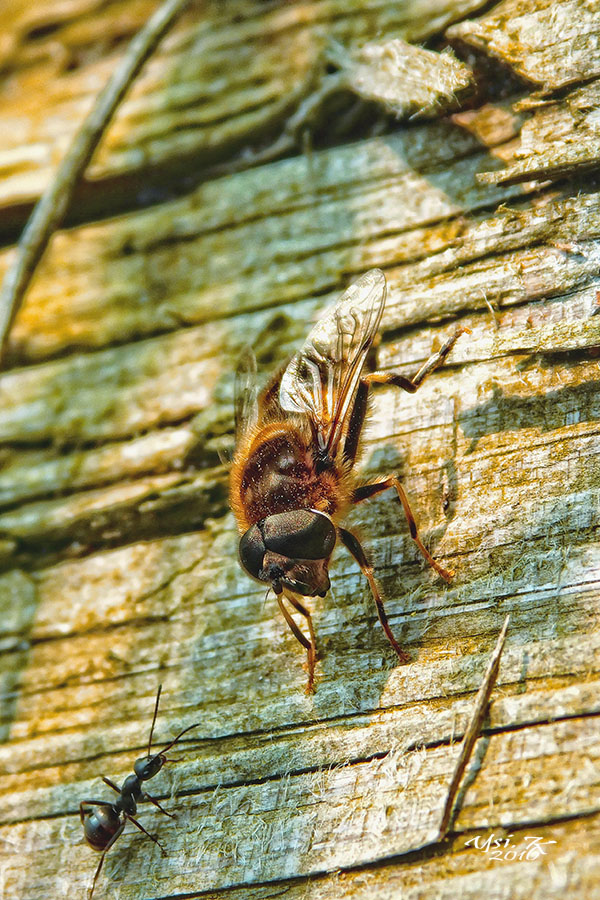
pixel 146 796
pixel 116 835
pixel 308 645
pixel 353 545
pixel 147 833
pixel 111 784
pixel 359 410
pixel 88 805
pixel 369 490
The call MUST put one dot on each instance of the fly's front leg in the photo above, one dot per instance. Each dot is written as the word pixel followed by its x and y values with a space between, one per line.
pixel 354 546
pixel 369 490
pixel 309 645
pixel 312 650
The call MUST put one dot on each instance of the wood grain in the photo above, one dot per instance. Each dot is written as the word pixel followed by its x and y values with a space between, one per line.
pixel 560 139
pixel 549 44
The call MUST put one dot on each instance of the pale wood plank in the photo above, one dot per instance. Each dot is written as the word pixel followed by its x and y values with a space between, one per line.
pixel 119 556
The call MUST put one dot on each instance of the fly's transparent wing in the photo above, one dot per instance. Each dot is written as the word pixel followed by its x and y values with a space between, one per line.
pixel 245 394
pixel 322 377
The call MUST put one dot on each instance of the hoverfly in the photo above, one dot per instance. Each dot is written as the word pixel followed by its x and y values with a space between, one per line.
pixel 297 442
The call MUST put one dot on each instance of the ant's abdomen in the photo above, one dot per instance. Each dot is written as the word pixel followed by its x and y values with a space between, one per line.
pixel 101 825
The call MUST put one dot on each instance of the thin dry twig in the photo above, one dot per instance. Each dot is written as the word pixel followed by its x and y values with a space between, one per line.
pixel 54 202
pixel 474 728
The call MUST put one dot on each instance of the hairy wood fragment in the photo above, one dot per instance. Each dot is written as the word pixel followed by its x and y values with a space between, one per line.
pixel 405 80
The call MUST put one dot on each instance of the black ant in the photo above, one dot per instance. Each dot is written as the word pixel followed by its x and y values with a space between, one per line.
pixel 103 822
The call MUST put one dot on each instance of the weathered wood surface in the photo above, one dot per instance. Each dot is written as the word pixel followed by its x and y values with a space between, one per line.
pixel 549 44
pixel 230 73
pixel 118 555
pixel 561 138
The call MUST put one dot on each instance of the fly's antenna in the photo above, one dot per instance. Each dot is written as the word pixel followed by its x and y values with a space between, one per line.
pixel 154 718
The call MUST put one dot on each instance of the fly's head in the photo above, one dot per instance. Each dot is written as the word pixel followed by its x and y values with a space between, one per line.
pixel 290 550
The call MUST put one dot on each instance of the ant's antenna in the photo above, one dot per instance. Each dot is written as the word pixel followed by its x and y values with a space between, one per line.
pixel 154 718
pixel 180 735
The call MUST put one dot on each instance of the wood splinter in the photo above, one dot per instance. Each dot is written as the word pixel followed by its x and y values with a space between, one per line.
pixel 473 730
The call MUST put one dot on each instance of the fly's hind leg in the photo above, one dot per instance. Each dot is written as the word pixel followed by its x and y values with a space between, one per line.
pixel 354 546
pixel 309 645
pixel 434 362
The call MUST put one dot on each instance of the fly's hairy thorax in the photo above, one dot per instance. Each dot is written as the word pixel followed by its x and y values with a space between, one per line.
pixel 276 469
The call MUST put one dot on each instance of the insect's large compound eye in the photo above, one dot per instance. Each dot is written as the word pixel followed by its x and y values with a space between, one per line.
pixel 252 551
pixel 299 534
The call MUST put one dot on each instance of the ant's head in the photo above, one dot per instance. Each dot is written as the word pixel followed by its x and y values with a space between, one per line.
pixel 148 766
